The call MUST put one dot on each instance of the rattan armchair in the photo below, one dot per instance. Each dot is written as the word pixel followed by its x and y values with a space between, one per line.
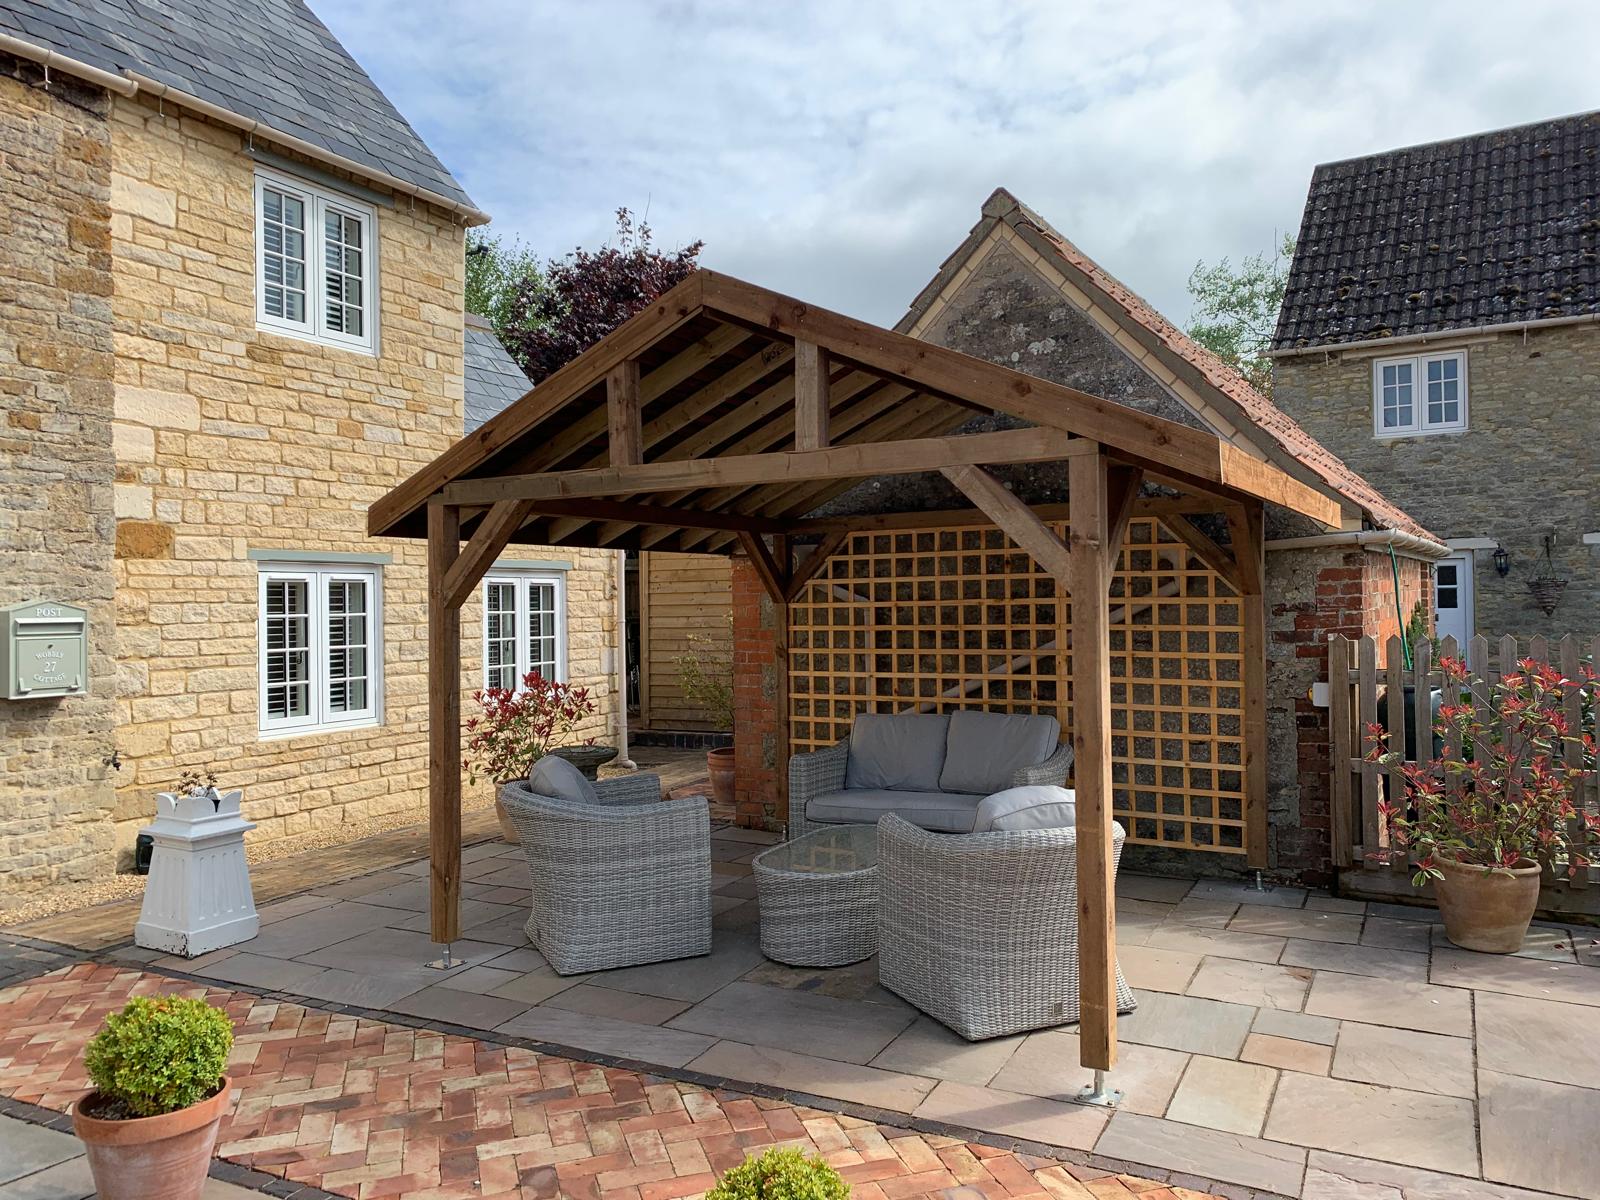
pixel 617 883
pixel 980 930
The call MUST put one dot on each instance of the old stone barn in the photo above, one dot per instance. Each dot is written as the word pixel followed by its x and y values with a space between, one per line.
pixel 936 609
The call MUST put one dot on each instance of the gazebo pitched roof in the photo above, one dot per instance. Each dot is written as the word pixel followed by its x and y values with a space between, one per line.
pixel 716 368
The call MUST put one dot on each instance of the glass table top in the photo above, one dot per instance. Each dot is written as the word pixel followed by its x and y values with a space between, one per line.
pixel 832 850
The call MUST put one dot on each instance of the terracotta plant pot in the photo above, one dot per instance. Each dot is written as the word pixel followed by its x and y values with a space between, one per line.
pixel 1485 910
pixel 508 831
pixel 719 764
pixel 165 1156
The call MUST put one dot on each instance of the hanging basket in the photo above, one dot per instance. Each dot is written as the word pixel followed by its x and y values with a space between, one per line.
pixel 1546 592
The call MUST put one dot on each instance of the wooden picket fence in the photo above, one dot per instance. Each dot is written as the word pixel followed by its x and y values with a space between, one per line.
pixel 1362 672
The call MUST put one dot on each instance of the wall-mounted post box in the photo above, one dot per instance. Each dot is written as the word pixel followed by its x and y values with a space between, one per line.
pixel 46 650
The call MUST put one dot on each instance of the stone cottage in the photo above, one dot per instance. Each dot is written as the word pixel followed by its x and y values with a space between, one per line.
pixel 1439 333
pixel 1017 292
pixel 229 320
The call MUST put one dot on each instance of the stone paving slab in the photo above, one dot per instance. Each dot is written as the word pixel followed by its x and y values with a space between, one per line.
pixel 853 1031
pixel 1575 983
pixel 1417 1006
pixel 1048 1064
pixel 1261 985
pixel 1540 1135
pixel 1342 1177
pixel 1404 1058
pixel 1219 1093
pixel 1188 1023
pixel 927 1048
pixel 1229 1157
pixel 1539 1039
pixel 1014 1114
pixel 361 1106
pixel 1412 1128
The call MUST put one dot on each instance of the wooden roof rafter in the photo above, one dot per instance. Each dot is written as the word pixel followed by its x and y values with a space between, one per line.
pixel 715 361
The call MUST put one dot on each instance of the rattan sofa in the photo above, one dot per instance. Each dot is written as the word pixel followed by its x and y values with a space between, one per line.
pixel 618 879
pixel 932 770
pixel 980 931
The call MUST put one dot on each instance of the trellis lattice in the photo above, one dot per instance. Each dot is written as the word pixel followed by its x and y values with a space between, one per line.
pixel 933 620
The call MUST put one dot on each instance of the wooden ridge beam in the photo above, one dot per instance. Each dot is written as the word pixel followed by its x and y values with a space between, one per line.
pixel 837 462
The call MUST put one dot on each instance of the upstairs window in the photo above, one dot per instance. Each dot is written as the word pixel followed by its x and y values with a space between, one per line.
pixel 315 264
pixel 524 628
pixel 321 653
pixel 1422 394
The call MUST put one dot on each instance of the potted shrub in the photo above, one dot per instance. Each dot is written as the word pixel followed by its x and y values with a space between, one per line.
pixel 160 1092
pixel 1482 816
pixel 781 1174
pixel 515 729
pixel 711 687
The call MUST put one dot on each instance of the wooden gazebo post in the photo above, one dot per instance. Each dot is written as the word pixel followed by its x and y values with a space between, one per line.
pixel 444 730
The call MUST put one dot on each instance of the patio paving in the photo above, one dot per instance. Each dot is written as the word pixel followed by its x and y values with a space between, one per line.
pixel 1286 1041
pixel 363 1107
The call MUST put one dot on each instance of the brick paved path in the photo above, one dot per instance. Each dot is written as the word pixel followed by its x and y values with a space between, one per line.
pixel 366 1108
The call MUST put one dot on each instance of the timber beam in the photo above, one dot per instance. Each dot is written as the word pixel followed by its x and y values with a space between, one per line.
pixel 907 457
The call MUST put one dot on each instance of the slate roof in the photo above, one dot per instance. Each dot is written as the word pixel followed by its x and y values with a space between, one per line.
pixel 1491 229
pixel 1289 442
pixel 493 382
pixel 269 60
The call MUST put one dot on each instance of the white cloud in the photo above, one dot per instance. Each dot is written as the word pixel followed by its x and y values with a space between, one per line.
pixel 839 150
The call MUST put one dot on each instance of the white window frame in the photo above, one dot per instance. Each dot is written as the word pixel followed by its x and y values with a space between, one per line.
pixel 524 582
pixel 318 203
pixel 320 718
pixel 1419 395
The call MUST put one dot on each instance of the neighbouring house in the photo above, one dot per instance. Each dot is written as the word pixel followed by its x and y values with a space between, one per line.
pixel 1439 333
pixel 676 605
pixel 1016 292
pixel 230 318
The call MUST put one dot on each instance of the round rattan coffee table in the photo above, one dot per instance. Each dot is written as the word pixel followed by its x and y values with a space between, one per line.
pixel 818 896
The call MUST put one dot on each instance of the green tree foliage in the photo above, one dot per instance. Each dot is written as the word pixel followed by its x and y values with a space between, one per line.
pixel 1236 310
pixel 505 282
pixel 160 1054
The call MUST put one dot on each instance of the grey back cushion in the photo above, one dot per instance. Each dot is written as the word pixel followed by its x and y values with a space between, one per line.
pixel 1038 806
pixel 554 776
pixel 897 753
pixel 986 749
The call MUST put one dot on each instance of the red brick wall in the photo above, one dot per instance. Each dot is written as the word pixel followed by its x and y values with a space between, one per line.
pixel 1352 595
pixel 760 686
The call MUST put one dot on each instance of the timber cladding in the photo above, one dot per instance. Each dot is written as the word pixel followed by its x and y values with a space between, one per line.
pixel 933 620
pixel 685 607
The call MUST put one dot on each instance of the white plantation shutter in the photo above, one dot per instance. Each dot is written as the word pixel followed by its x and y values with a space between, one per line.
pixel 316 266
pixel 320 647
pixel 524 628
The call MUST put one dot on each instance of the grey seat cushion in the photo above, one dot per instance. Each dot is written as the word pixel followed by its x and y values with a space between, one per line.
pixel 899 753
pixel 941 812
pixel 986 749
pixel 1038 806
pixel 554 776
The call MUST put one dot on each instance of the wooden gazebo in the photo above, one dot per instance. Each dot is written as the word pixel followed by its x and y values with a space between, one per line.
pixel 722 415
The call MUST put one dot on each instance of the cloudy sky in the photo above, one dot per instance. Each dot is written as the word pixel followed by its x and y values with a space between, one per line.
pixel 838 151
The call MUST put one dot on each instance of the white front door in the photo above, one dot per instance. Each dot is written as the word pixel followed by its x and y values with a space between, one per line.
pixel 1452 593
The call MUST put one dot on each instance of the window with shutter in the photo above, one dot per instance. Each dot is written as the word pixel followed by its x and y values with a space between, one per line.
pixel 524 628
pixel 321 655
pixel 315 264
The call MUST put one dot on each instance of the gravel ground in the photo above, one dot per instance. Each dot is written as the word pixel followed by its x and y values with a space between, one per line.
pixel 68 896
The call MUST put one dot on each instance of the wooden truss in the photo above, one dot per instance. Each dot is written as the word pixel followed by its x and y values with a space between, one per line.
pixel 725 415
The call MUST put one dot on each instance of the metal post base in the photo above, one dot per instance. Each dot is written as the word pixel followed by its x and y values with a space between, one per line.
pixel 444 962
pixel 1261 884
pixel 1098 1094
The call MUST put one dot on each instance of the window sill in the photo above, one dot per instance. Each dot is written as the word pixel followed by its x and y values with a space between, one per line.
pixel 312 339
pixel 310 731
pixel 1417 433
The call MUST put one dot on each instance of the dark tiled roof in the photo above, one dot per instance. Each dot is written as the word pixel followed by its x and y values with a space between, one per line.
pixel 494 382
pixel 269 60
pixel 1288 438
pixel 1484 230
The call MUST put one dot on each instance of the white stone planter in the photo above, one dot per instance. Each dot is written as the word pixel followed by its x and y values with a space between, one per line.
pixel 197 897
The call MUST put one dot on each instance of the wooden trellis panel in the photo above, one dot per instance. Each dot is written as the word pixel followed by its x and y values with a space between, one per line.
pixel 933 620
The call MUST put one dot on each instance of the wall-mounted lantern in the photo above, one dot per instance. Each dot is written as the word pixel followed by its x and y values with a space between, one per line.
pixel 1502 562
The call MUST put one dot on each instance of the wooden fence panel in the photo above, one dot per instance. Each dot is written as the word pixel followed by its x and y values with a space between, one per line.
pixel 1362 674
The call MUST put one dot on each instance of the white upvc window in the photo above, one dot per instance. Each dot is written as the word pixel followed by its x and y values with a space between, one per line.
pixel 316 263
pixel 524 627
pixel 320 631
pixel 1424 393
